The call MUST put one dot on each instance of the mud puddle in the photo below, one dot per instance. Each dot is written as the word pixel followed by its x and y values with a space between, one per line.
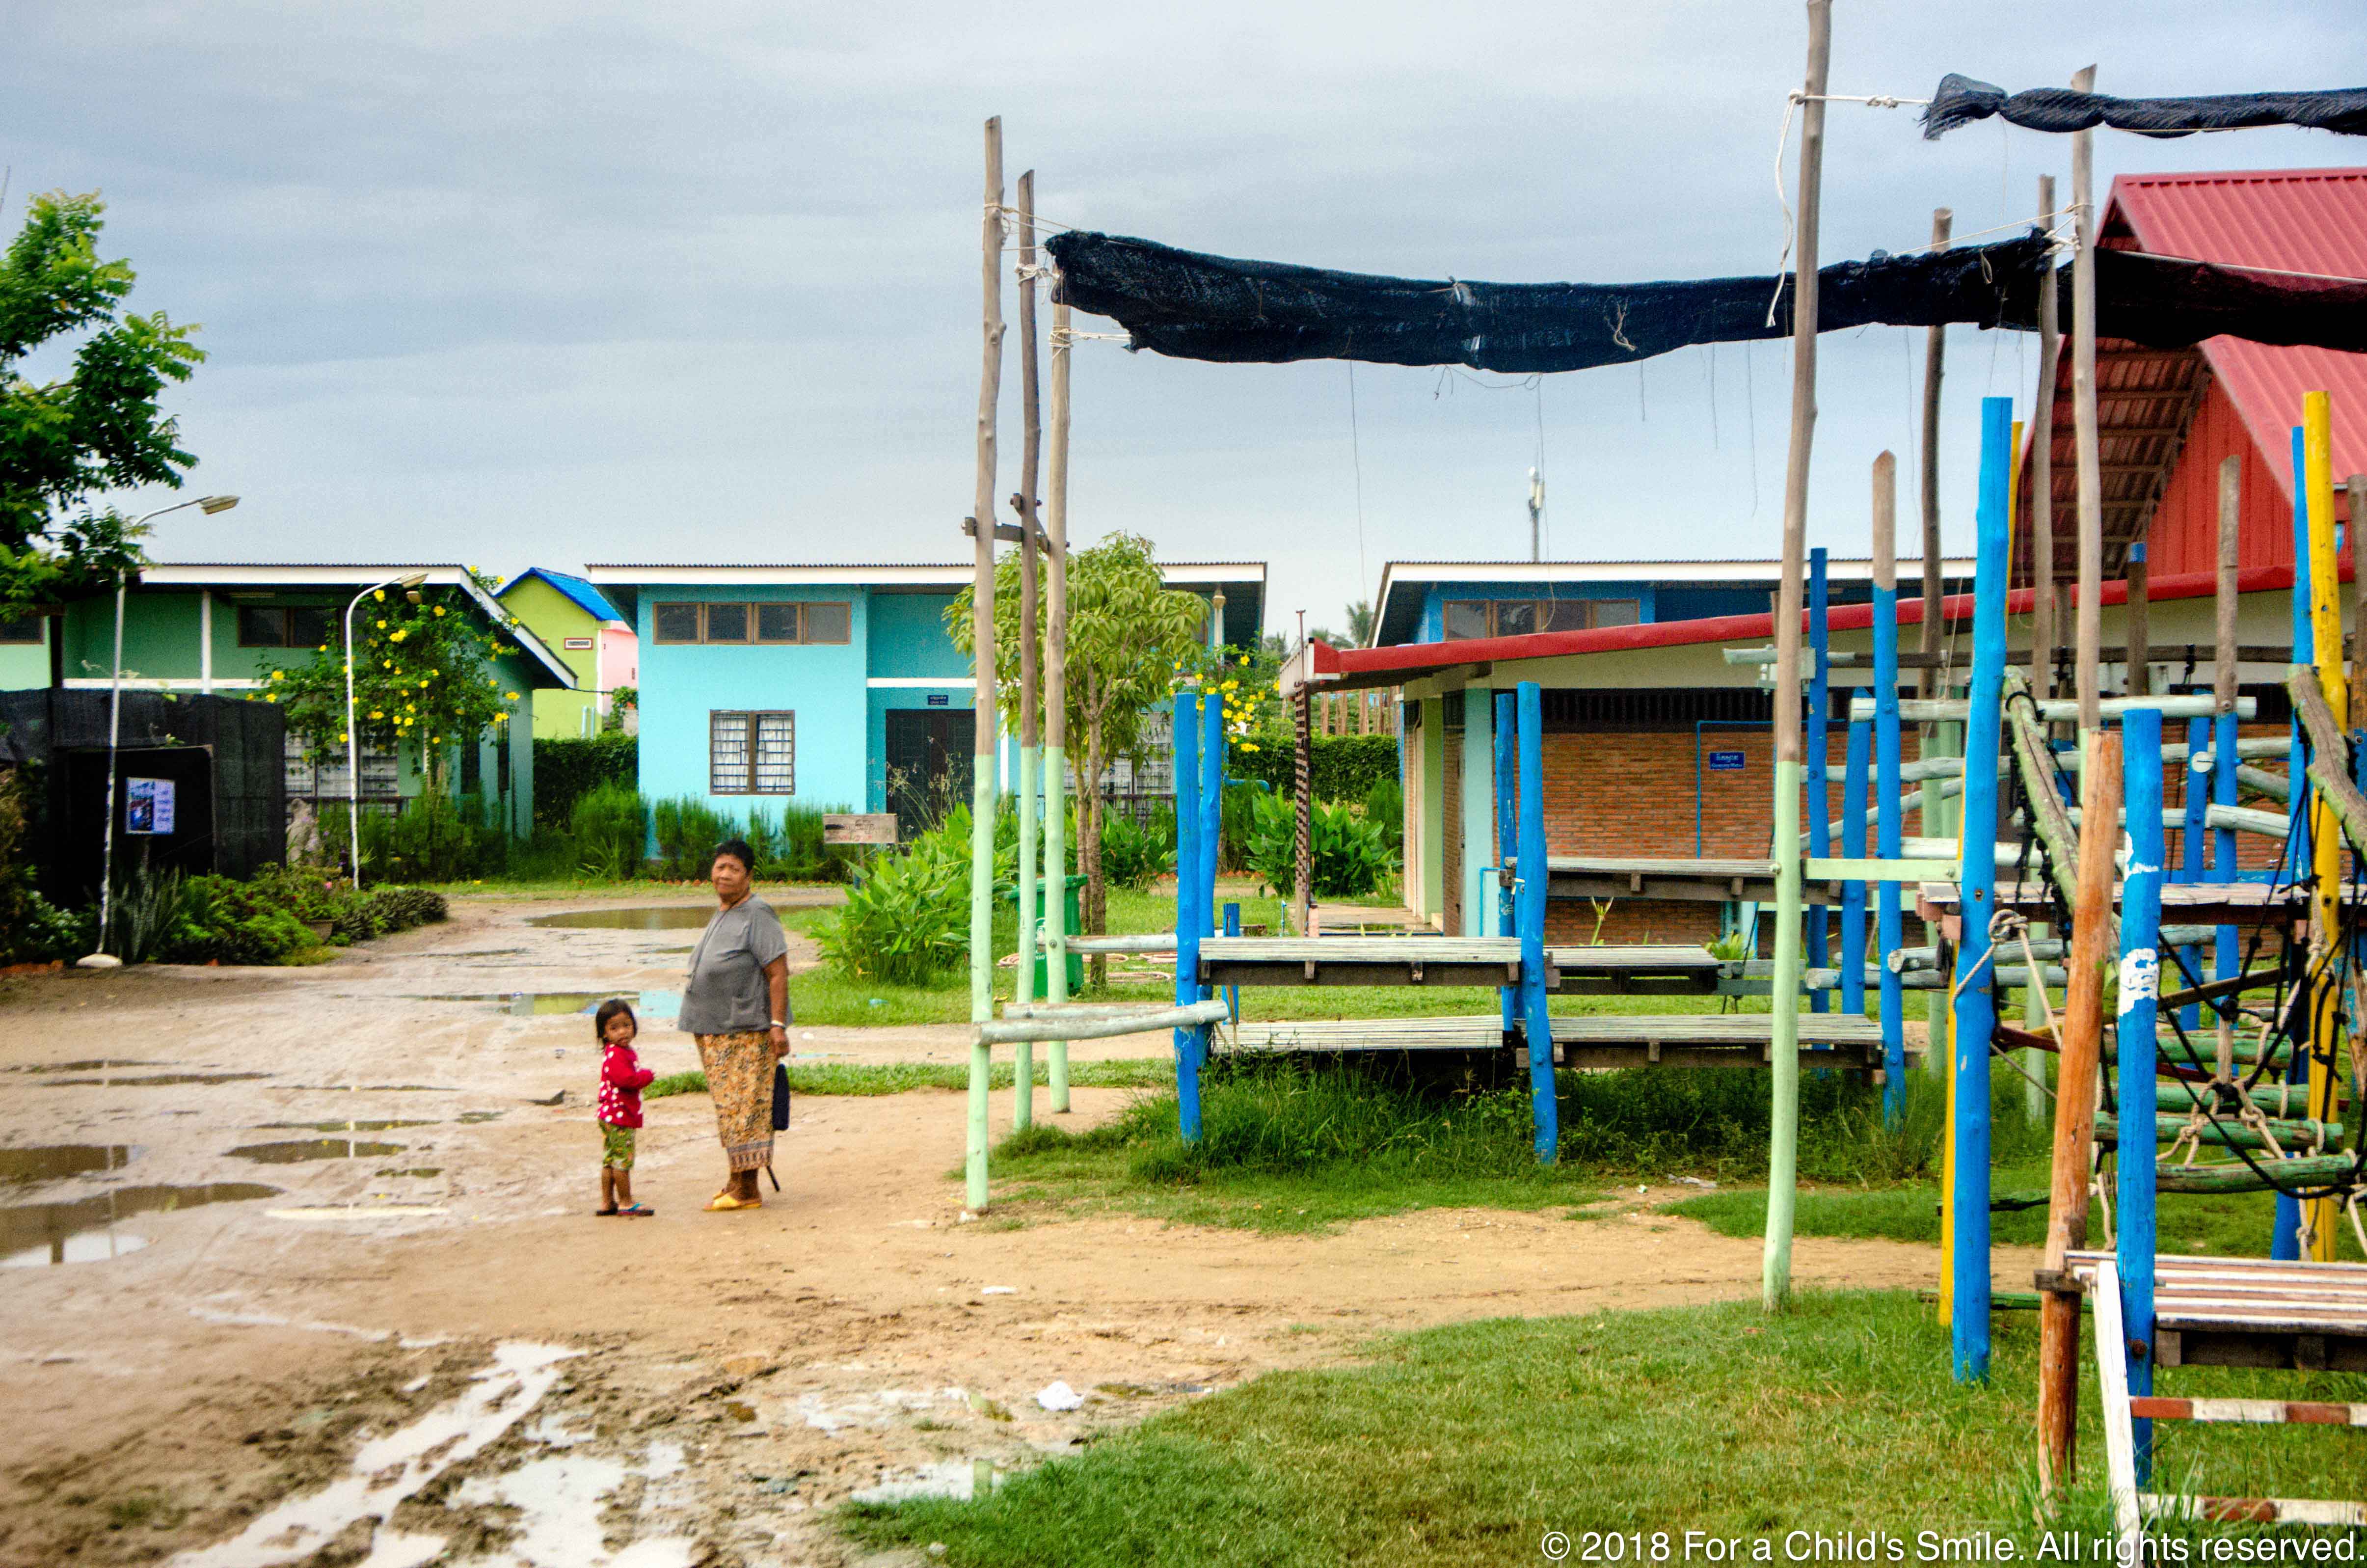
pixel 154 1080
pixel 58 1162
pixel 376 1126
pixel 666 917
pixel 96 1065
pixel 297 1151
pixel 34 1236
pixel 555 1004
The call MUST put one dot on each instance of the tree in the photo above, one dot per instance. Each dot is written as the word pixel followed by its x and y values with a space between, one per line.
pixel 1130 640
pixel 63 442
pixel 1360 624
pixel 424 675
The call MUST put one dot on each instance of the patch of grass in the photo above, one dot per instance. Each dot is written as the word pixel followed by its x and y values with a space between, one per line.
pixel 2234 1225
pixel 1286 1147
pixel 1468 1444
pixel 903 1077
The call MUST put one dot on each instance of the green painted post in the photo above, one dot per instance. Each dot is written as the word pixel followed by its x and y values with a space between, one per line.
pixel 1784 1049
pixel 1023 986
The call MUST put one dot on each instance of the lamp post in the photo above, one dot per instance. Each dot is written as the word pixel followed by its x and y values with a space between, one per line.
pixel 102 958
pixel 410 585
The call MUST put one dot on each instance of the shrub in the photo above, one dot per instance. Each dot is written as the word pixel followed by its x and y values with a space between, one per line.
pixel 277 915
pixel 1134 856
pixel 610 826
pixel 1236 821
pixel 1384 809
pixel 905 920
pixel 687 832
pixel 1351 855
pixel 434 838
pixel 567 771
pixel 1339 767
pixel 381 911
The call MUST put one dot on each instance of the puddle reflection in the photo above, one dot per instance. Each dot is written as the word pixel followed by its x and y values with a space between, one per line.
pixel 295 1151
pixel 666 917
pixel 56 1162
pixel 34 1236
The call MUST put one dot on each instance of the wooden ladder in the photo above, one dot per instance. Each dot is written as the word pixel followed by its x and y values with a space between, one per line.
pixel 2122 1410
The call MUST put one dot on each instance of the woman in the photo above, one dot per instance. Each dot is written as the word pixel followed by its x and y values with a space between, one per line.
pixel 737 1004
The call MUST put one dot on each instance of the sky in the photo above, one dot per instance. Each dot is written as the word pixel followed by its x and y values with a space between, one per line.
pixel 522 282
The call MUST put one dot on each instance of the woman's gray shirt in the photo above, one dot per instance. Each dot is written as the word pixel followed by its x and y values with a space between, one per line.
pixel 726 992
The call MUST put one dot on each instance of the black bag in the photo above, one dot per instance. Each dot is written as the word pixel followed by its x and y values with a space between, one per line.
pixel 780 1096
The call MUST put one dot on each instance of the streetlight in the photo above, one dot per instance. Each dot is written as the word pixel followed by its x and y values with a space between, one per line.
pixel 104 960
pixel 410 585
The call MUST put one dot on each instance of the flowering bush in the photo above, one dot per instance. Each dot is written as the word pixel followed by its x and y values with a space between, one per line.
pixel 423 672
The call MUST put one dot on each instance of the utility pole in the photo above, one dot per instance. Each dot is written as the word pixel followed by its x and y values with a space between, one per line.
pixel 1537 515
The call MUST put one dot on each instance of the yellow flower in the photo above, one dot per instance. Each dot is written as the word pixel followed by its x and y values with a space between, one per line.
pixel 411 707
pixel 323 648
pixel 267 697
pixel 376 714
pixel 386 664
pixel 511 696
pixel 380 598
pixel 439 609
pixel 381 626
pixel 398 637
pixel 279 675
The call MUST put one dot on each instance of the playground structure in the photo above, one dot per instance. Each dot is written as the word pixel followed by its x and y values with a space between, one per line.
pixel 2102 893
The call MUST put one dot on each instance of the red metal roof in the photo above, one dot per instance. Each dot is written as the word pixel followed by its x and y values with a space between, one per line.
pixel 1411 661
pixel 2310 221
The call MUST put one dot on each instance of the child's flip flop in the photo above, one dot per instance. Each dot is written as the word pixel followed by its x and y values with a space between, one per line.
pixel 637 1212
pixel 603 1213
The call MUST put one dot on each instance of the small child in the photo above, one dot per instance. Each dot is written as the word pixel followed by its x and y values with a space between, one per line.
pixel 622 1078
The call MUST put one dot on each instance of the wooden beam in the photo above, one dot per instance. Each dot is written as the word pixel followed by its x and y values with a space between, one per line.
pixel 2041 475
pixel 1935 353
pixel 2090 636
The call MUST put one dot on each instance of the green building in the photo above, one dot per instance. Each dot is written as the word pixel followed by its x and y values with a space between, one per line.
pixel 24 652
pixel 575 620
pixel 195 627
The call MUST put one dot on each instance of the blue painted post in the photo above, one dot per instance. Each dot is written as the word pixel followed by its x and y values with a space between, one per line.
pixel 1190 920
pixel 1508 832
pixel 1536 1019
pixel 1860 737
pixel 1212 818
pixel 1976 1004
pixel 2140 993
pixel 1889 934
pixel 2197 867
pixel 1820 794
pixel 2284 1238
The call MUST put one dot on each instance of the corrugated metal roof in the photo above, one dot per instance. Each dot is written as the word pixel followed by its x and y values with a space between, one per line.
pixel 2292 220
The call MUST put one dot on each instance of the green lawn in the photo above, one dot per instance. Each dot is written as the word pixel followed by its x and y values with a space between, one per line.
pixel 902 1077
pixel 1468 1444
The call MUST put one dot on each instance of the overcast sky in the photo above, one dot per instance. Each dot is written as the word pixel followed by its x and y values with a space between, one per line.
pixel 524 282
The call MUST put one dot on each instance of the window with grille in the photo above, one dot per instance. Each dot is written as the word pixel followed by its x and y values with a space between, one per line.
pixel 329 778
pixel 752 754
pixel 786 624
pixel 1518 618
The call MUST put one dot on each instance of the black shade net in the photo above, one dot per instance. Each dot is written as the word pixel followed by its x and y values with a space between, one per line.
pixel 1210 307
pixel 1960 101
pixel 1192 306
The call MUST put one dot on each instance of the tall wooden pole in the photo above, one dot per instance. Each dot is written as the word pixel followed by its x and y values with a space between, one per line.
pixel 2357 489
pixel 1031 441
pixel 2075 1117
pixel 1888 843
pixel 2138 622
pixel 1936 357
pixel 1783 1137
pixel 2041 475
pixel 2226 958
pixel 1056 699
pixel 2090 617
pixel 981 788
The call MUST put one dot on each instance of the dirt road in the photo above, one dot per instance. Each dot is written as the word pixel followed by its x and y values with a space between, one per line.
pixel 425 1344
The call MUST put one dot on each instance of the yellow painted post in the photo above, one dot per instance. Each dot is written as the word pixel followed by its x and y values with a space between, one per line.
pixel 2326 833
pixel 1939 1044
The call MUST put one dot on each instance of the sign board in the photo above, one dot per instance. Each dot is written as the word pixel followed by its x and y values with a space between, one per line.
pixel 579 644
pixel 941 699
pixel 858 827
pixel 1725 762
pixel 148 805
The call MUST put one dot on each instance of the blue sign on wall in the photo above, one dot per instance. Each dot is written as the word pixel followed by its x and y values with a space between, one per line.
pixel 1725 762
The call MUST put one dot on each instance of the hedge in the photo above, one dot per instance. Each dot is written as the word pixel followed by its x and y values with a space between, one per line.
pixel 1339 767
pixel 567 771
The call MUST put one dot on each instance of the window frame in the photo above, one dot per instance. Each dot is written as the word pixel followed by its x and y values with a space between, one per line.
pixel 332 626
pixel 33 623
pixel 801 617
pixel 1542 611
pixel 750 725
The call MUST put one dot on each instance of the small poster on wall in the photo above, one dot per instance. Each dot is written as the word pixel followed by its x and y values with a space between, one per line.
pixel 148 805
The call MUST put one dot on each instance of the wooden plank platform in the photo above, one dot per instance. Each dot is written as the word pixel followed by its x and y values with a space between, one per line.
pixel 1695 882
pixel 1685 1039
pixel 1361 961
pixel 2252 1312
pixel 1709 1040
pixel 1657 969
pixel 2182 903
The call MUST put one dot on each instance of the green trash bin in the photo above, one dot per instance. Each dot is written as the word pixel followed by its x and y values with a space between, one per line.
pixel 1009 892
